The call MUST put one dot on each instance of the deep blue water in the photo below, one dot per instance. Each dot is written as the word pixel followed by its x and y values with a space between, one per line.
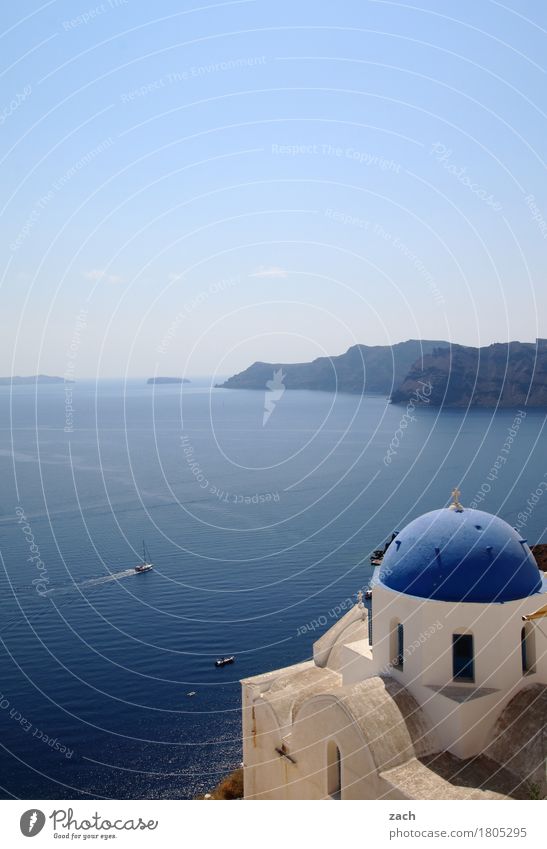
pixel 255 532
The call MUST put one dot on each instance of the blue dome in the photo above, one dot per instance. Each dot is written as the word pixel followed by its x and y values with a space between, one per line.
pixel 460 555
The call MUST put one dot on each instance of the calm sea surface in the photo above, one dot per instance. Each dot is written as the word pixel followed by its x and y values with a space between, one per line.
pixel 257 533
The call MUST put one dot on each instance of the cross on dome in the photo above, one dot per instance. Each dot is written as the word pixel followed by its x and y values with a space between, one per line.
pixel 456 500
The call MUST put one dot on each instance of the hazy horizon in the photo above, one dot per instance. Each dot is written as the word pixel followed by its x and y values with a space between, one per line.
pixel 170 372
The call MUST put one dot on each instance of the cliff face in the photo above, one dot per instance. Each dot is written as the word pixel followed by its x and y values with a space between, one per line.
pixel 510 374
pixel 362 368
pixel 539 550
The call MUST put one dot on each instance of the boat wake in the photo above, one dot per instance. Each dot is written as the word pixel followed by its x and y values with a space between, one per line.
pixel 91 582
pixel 30 615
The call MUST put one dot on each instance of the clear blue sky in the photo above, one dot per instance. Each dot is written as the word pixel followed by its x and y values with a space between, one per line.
pixel 217 184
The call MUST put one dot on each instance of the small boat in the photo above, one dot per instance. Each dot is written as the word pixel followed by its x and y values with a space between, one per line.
pixel 222 661
pixel 192 693
pixel 145 566
pixel 368 594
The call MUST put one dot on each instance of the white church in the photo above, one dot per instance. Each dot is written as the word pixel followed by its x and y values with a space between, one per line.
pixel 434 687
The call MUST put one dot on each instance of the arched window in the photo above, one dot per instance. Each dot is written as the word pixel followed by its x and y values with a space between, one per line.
pixel 397 645
pixel 463 662
pixel 528 648
pixel 334 770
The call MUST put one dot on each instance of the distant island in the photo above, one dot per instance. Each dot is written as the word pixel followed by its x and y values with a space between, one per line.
pixel 505 374
pixel 167 380
pixel 32 380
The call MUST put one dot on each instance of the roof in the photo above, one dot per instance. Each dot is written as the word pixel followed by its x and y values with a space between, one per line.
pixel 520 737
pixel 457 554
pixel 443 776
pixel 290 690
pixel 352 626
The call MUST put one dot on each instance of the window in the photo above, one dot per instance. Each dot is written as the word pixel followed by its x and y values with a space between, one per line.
pixel 527 648
pixel 462 657
pixel 334 770
pixel 397 645
pixel 400 646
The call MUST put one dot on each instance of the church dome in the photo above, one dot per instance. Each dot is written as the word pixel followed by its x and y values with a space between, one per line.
pixel 458 554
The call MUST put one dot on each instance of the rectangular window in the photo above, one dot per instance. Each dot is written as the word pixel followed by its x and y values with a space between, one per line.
pixel 527 649
pixel 463 667
pixel 400 646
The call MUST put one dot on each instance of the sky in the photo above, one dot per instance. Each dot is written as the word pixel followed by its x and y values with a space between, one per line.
pixel 189 188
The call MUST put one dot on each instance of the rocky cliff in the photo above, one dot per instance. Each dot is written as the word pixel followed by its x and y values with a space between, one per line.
pixel 376 368
pixel 510 374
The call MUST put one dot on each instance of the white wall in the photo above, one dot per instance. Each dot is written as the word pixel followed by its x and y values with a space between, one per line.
pixel 429 627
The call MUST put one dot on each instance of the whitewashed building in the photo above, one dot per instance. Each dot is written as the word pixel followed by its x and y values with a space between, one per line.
pixel 435 688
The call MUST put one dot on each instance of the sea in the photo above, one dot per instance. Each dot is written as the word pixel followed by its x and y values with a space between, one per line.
pixel 259 513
